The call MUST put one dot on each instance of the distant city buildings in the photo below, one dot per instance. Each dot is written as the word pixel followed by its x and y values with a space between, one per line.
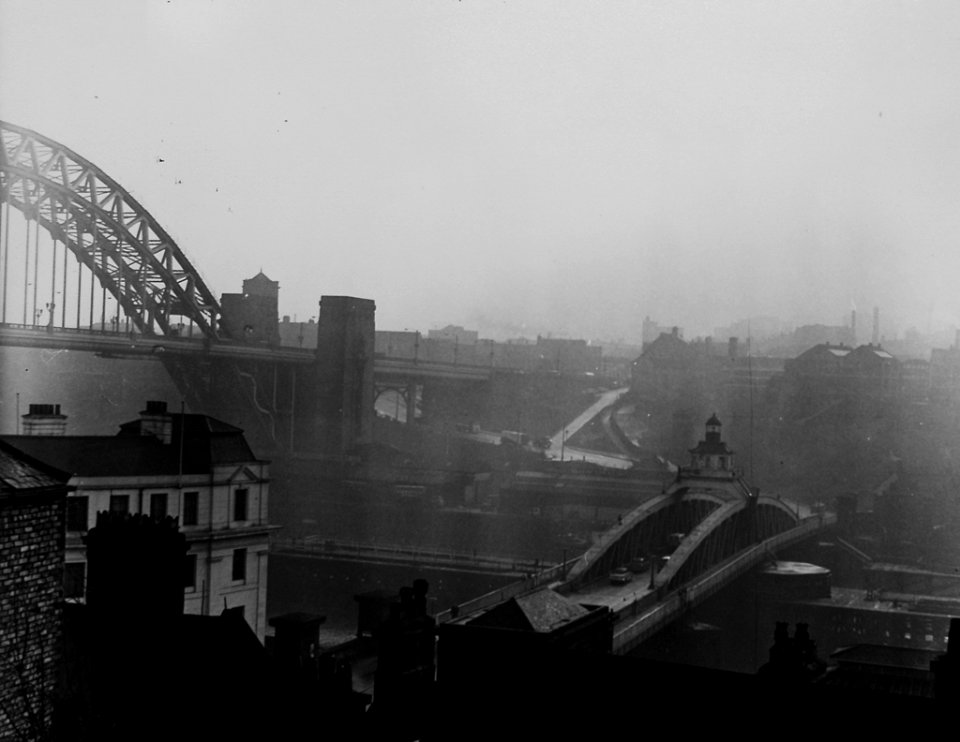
pixel 651 330
pixel 546 354
pixel 699 374
pixel 944 373
pixel 454 334
pixel 755 328
pixel 833 371
pixel 807 336
pixel 298 334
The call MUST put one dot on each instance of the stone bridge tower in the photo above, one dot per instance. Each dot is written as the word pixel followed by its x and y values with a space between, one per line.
pixel 344 373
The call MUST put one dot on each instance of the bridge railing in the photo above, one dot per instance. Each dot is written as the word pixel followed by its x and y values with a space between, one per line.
pixel 542 578
pixel 318 545
pixel 103 328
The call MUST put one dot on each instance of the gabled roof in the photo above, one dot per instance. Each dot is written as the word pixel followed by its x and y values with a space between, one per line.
pixel 666 345
pixel 871 351
pixel 837 351
pixel 546 610
pixel 541 611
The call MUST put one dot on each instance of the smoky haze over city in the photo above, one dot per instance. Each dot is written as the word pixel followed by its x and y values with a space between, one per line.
pixel 531 167
pixel 420 371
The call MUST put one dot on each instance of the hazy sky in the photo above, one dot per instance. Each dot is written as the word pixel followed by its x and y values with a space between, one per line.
pixel 565 166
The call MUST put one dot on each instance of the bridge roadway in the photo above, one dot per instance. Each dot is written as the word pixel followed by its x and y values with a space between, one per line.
pixel 641 611
pixel 132 344
pixel 638 610
pixel 559 449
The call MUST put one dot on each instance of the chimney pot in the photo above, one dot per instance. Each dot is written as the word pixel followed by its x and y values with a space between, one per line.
pixel 44 419
pixel 155 421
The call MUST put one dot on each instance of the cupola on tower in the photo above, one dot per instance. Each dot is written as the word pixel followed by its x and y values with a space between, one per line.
pixel 711 454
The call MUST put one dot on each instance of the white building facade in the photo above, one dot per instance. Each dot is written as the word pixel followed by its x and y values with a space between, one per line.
pixel 193 468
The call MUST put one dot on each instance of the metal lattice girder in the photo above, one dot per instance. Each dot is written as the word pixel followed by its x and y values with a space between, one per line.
pixel 107 230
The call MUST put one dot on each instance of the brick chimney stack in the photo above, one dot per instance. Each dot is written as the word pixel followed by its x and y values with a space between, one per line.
pixel 44 419
pixel 156 421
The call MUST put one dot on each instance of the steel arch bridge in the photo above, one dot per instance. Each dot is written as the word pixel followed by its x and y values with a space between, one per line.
pixel 107 230
pixel 711 518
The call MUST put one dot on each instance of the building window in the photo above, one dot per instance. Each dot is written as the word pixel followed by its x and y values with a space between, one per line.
pixel 119 503
pixel 190 572
pixel 158 505
pixel 239 564
pixel 76 513
pixel 240 504
pixel 74 579
pixel 191 504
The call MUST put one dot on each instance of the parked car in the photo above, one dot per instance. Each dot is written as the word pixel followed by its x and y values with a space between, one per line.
pixel 620 576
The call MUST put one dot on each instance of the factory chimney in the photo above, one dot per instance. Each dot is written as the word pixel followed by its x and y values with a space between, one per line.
pixel 876 325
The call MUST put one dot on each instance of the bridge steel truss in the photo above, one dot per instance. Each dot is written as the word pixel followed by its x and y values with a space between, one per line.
pixel 713 526
pixel 106 229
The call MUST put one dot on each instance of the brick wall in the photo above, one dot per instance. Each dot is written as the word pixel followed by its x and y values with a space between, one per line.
pixel 31 576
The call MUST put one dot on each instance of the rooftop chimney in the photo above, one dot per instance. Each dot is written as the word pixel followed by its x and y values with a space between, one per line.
pixel 156 421
pixel 44 419
pixel 135 568
pixel 296 641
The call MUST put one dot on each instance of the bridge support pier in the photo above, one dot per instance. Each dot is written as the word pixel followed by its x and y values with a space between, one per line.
pixel 322 409
pixel 412 395
pixel 343 409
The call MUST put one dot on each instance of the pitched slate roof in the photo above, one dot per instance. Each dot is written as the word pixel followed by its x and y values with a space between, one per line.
pixel 541 611
pixel 22 475
pixel 19 472
pixel 208 442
